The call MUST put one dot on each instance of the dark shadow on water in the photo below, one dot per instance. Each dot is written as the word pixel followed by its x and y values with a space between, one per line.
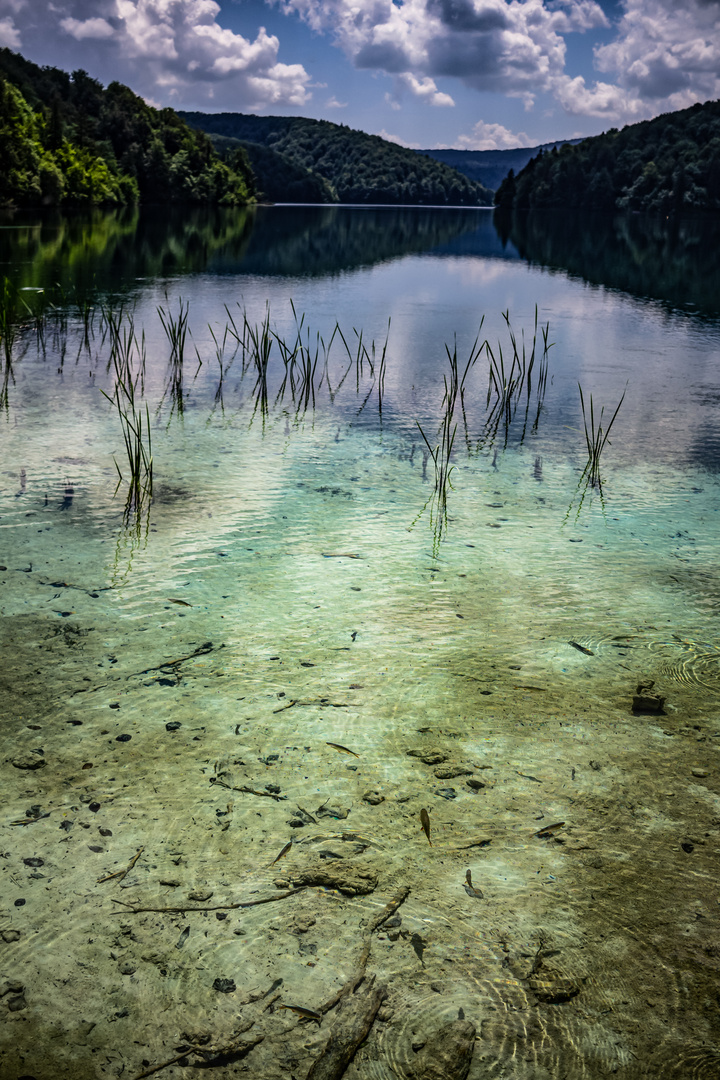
pixel 671 260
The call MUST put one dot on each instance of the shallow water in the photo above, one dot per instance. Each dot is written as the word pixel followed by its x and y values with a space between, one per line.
pixel 288 587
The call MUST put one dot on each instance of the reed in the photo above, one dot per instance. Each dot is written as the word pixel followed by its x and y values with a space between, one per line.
pixel 596 438
pixel 511 377
pixel 9 319
pixel 134 420
pixel 176 330
pixel 441 454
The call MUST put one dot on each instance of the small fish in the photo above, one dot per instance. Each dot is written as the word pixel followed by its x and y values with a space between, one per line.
pixel 581 648
pixel 30 820
pixel 549 829
pixel 339 555
pixel 527 776
pixel 470 888
pixel 425 822
pixel 307 1014
pixel 337 746
pixel 182 603
pixel 283 852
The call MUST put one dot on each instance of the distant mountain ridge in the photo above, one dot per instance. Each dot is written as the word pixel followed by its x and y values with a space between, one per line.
pixel 490 167
pixel 359 168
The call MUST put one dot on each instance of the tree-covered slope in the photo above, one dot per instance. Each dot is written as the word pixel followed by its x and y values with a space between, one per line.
pixel 277 177
pixel 64 139
pixel 663 165
pixel 361 168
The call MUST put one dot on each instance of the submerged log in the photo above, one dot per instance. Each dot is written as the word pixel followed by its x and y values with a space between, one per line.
pixel 355 1015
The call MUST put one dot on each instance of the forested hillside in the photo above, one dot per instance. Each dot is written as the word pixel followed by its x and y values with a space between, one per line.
pixel 663 166
pixel 277 177
pixel 361 168
pixel 65 140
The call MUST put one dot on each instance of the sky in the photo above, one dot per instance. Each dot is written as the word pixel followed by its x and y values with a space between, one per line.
pixel 470 74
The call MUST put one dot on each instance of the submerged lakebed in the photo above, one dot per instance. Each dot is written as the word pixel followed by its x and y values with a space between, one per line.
pixel 281 640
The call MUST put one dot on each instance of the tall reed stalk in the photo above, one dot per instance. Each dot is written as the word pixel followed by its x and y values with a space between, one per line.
pixel 441 453
pixel 596 438
pixel 511 378
pixel 134 420
pixel 176 329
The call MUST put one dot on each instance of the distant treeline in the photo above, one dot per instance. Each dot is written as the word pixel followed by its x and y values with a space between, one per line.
pixel 665 165
pixel 353 167
pixel 65 140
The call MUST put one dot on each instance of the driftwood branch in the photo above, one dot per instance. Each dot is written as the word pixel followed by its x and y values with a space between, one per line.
pixel 236 1048
pixel 354 1019
pixel 351 984
pixel 135 910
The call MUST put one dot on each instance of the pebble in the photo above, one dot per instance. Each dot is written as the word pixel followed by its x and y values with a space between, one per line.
pixel 200 894
pixel 700 772
pixel 28 761
pixel 446 792
pixel 302 924
pixel 10 935
pixel 123 738
pixel 434 756
pixel 34 862
pixel 447 1054
pixel 173 725
pixel 225 986
pixel 127 968
pixel 449 772
pixel 475 785
pixel 373 797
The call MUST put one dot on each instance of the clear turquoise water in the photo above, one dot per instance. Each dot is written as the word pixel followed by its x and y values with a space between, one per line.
pixel 251 525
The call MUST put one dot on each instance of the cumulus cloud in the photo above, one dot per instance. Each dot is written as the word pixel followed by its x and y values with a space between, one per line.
pixel 493 137
pixel 664 57
pixel 9 33
pixel 172 50
pixel 491 45
pixel 664 54
pixel 389 137
pixel 87 28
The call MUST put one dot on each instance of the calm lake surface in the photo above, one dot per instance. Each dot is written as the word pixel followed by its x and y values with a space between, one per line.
pixel 306 572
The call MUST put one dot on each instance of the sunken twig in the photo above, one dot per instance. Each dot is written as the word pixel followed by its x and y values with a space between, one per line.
pixel 120 874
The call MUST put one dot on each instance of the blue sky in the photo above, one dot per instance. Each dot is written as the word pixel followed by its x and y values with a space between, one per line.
pixel 474 74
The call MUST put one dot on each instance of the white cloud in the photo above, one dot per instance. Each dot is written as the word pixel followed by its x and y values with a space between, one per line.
pixel 9 34
pixel 172 50
pixel 87 28
pixel 389 137
pixel 510 46
pixel 665 54
pixel 425 89
pixel 333 103
pixel 493 137
pixel 664 57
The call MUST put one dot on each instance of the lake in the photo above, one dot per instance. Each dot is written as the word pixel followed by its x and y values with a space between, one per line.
pixel 420 511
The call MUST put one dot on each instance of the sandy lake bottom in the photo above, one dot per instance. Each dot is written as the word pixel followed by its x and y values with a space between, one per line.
pixel 295 787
